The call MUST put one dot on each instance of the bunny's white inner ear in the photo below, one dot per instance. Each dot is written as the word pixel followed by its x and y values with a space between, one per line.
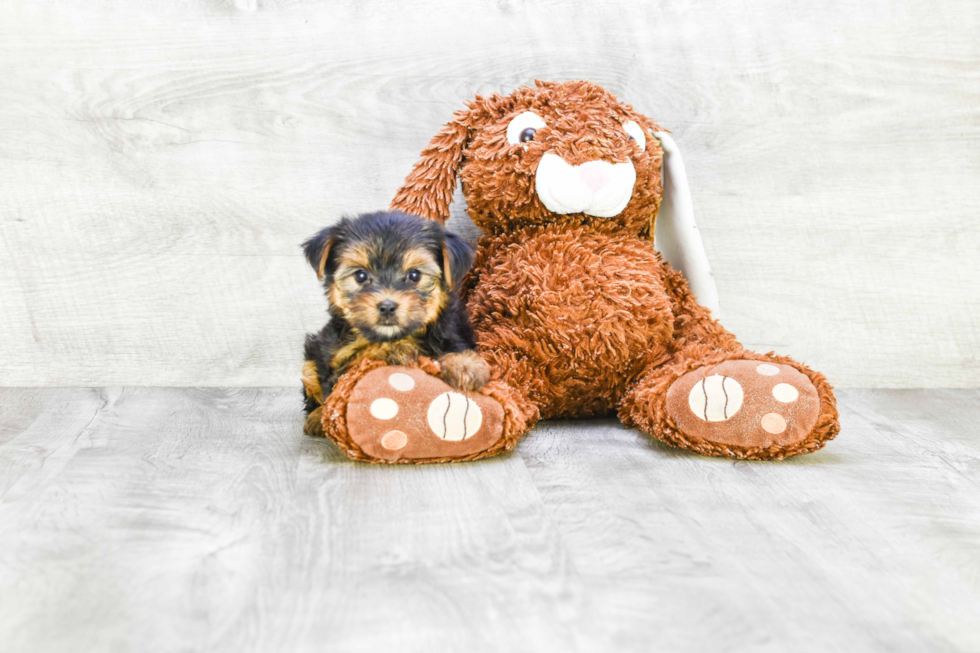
pixel 676 235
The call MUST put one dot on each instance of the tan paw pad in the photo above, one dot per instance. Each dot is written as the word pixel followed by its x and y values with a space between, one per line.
pixel 715 398
pixel 394 440
pixel 773 423
pixel 402 413
pixel 454 416
pixel 785 393
pixel 744 403
pixel 401 382
pixel 384 408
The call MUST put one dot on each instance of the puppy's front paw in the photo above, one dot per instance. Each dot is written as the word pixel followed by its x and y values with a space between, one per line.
pixel 314 423
pixel 464 371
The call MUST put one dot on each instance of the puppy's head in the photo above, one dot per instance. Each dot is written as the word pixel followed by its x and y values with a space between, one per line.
pixel 389 274
pixel 557 153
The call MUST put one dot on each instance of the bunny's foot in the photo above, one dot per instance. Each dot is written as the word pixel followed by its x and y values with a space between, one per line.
pixel 749 406
pixel 386 414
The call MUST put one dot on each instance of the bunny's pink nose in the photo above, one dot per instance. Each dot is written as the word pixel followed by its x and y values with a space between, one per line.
pixel 595 174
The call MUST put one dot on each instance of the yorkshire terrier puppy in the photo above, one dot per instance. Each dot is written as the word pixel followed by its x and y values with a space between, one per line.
pixel 390 280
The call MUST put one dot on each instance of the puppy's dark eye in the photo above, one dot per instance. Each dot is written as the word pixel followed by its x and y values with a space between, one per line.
pixel 528 134
pixel 414 276
pixel 361 276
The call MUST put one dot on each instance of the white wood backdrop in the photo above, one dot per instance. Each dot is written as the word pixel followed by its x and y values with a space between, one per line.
pixel 159 166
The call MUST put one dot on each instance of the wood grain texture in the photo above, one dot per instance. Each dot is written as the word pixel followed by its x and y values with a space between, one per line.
pixel 161 519
pixel 160 163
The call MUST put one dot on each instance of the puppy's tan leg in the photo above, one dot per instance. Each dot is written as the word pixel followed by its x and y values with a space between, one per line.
pixel 311 382
pixel 464 371
pixel 314 423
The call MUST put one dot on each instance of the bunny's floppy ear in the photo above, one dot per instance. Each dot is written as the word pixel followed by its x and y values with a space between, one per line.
pixel 317 249
pixel 428 189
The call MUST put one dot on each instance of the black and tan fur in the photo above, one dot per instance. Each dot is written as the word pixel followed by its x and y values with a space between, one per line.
pixel 390 279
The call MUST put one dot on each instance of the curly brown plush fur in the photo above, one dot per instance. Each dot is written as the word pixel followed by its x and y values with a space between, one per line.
pixel 584 123
pixel 576 314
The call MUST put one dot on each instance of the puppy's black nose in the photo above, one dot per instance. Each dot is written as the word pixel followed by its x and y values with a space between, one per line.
pixel 387 308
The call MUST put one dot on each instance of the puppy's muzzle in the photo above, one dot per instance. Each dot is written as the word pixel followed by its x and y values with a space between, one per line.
pixel 387 310
pixel 598 188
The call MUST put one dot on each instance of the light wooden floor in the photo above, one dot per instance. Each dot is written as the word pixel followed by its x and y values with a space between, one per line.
pixel 154 519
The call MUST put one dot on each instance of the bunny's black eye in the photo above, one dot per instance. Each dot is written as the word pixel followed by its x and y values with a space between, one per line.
pixel 522 127
pixel 360 276
pixel 635 134
pixel 414 276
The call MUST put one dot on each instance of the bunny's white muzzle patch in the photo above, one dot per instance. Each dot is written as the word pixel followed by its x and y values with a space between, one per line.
pixel 596 188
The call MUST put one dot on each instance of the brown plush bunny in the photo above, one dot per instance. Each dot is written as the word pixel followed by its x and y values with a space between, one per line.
pixel 575 312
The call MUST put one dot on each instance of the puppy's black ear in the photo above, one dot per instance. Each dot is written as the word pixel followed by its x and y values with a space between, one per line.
pixel 317 249
pixel 457 257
